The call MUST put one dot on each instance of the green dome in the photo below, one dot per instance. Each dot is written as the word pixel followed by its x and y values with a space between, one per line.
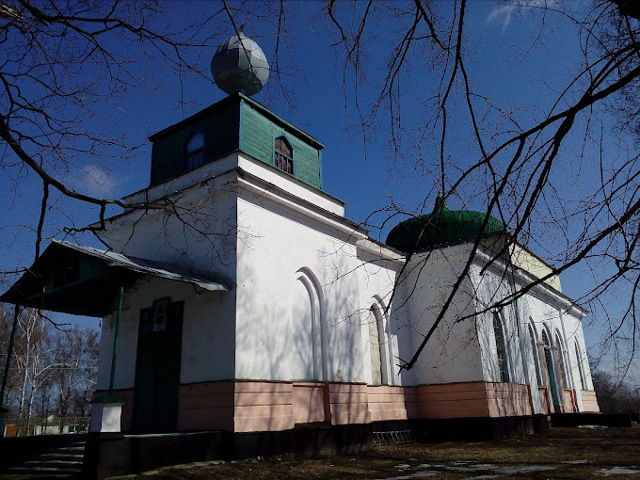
pixel 439 227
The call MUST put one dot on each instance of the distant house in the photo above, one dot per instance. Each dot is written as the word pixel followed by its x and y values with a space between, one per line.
pixel 244 302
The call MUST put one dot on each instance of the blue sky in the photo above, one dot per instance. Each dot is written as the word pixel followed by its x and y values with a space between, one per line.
pixel 508 62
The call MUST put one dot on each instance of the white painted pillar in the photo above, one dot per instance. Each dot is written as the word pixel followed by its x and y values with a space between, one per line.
pixel 106 415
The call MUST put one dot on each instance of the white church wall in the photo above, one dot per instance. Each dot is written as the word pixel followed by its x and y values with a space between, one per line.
pixel 452 354
pixel 126 355
pixel 543 309
pixel 291 185
pixel 530 351
pixel 195 232
pixel 563 324
pixel 207 333
pixel 296 314
pixel 491 286
pixel 578 365
pixel 377 271
pixel 402 335
pixel 185 182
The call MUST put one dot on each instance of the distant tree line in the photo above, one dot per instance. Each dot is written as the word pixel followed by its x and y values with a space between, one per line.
pixel 52 369
pixel 615 396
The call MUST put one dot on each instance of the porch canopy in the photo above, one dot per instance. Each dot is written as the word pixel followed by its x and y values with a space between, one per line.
pixel 83 280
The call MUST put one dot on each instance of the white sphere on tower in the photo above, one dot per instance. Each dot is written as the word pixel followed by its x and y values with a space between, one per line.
pixel 239 65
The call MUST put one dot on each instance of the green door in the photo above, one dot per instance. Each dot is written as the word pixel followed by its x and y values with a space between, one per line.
pixel 158 367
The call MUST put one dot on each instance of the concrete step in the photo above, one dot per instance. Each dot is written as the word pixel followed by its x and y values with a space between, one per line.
pixel 62 456
pixel 36 476
pixel 41 469
pixel 52 462
pixel 60 460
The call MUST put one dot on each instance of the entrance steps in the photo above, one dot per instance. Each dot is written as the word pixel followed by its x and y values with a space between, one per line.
pixel 61 458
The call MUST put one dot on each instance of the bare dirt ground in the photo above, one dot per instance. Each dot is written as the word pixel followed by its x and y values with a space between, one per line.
pixel 560 453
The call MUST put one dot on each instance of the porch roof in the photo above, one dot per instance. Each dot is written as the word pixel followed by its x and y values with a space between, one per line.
pixel 83 280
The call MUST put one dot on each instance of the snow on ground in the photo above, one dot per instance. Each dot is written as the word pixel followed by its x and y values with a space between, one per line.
pixel 488 470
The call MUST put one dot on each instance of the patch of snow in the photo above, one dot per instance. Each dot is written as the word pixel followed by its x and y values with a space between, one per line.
pixel 518 469
pixel 619 471
pixel 575 462
pixel 471 468
pixel 593 427
pixel 426 473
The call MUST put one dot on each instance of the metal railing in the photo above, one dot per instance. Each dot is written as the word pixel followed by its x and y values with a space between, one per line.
pixel 24 427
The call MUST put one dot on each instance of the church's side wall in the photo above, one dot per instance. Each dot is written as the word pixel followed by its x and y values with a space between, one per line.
pixel 538 311
pixel 452 354
pixel 199 239
pixel 296 315
pixel 377 271
pixel 305 295
pixel 207 346
pixel 491 286
pixel 195 232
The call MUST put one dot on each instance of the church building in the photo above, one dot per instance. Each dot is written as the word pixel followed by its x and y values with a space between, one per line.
pixel 244 314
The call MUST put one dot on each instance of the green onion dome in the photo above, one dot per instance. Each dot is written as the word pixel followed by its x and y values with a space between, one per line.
pixel 440 227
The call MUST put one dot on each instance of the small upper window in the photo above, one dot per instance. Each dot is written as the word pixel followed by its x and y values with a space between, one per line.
pixel 283 155
pixel 194 151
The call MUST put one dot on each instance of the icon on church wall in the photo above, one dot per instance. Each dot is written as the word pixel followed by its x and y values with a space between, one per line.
pixel 160 314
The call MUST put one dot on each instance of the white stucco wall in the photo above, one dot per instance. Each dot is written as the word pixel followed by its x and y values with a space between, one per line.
pixel 303 294
pixel 207 333
pixel 453 353
pixel 542 308
pixel 378 271
pixel 298 286
pixel 195 231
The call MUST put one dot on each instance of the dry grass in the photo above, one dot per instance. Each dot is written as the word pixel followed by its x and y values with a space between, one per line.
pixel 600 449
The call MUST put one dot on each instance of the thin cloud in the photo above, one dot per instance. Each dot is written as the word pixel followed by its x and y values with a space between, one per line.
pixel 96 181
pixel 508 11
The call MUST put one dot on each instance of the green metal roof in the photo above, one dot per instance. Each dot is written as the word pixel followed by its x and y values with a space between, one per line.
pixel 83 280
pixel 442 226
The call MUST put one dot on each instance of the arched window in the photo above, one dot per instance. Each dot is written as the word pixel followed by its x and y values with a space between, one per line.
pixel 283 155
pixel 536 357
pixel 310 363
pixel 583 381
pixel 194 151
pixel 501 348
pixel 562 361
pixel 551 373
pixel 379 371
